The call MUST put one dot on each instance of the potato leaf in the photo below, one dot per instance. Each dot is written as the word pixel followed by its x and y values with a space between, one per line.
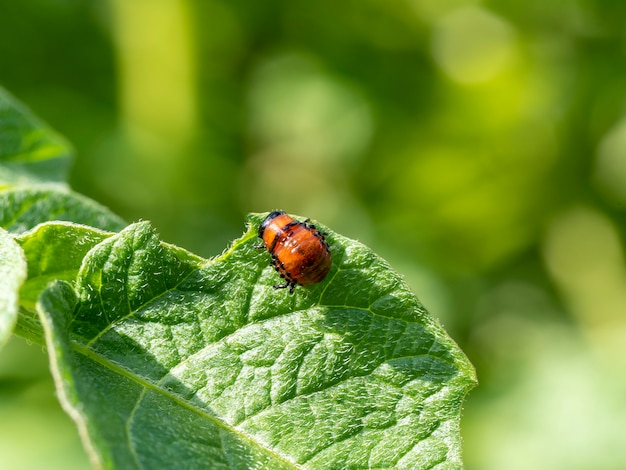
pixel 166 360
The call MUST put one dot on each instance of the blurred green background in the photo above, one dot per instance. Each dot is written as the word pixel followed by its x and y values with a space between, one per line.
pixel 480 147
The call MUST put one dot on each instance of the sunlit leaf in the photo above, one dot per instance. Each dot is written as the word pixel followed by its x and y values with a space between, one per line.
pixel 29 150
pixel 169 361
pixel 53 251
pixel 22 208
pixel 12 274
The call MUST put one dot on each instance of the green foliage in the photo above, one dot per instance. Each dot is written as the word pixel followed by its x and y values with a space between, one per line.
pixel 12 274
pixel 29 151
pixel 22 208
pixel 479 146
pixel 188 354
pixel 167 360
pixel 54 251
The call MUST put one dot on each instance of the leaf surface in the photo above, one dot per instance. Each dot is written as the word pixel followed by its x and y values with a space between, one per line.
pixel 166 360
pixel 53 251
pixel 33 167
pixel 30 151
pixel 22 208
pixel 12 275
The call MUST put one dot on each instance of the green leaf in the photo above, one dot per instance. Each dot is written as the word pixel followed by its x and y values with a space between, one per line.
pixel 22 208
pixel 29 150
pixel 53 251
pixel 167 361
pixel 12 274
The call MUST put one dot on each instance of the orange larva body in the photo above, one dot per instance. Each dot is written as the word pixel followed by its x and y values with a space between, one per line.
pixel 299 251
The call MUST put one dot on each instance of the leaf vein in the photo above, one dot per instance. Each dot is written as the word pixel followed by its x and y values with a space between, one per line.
pixel 149 385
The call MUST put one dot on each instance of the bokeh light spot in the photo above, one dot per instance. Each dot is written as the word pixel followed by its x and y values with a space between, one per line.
pixel 610 164
pixel 432 9
pixel 583 253
pixel 307 113
pixel 472 45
